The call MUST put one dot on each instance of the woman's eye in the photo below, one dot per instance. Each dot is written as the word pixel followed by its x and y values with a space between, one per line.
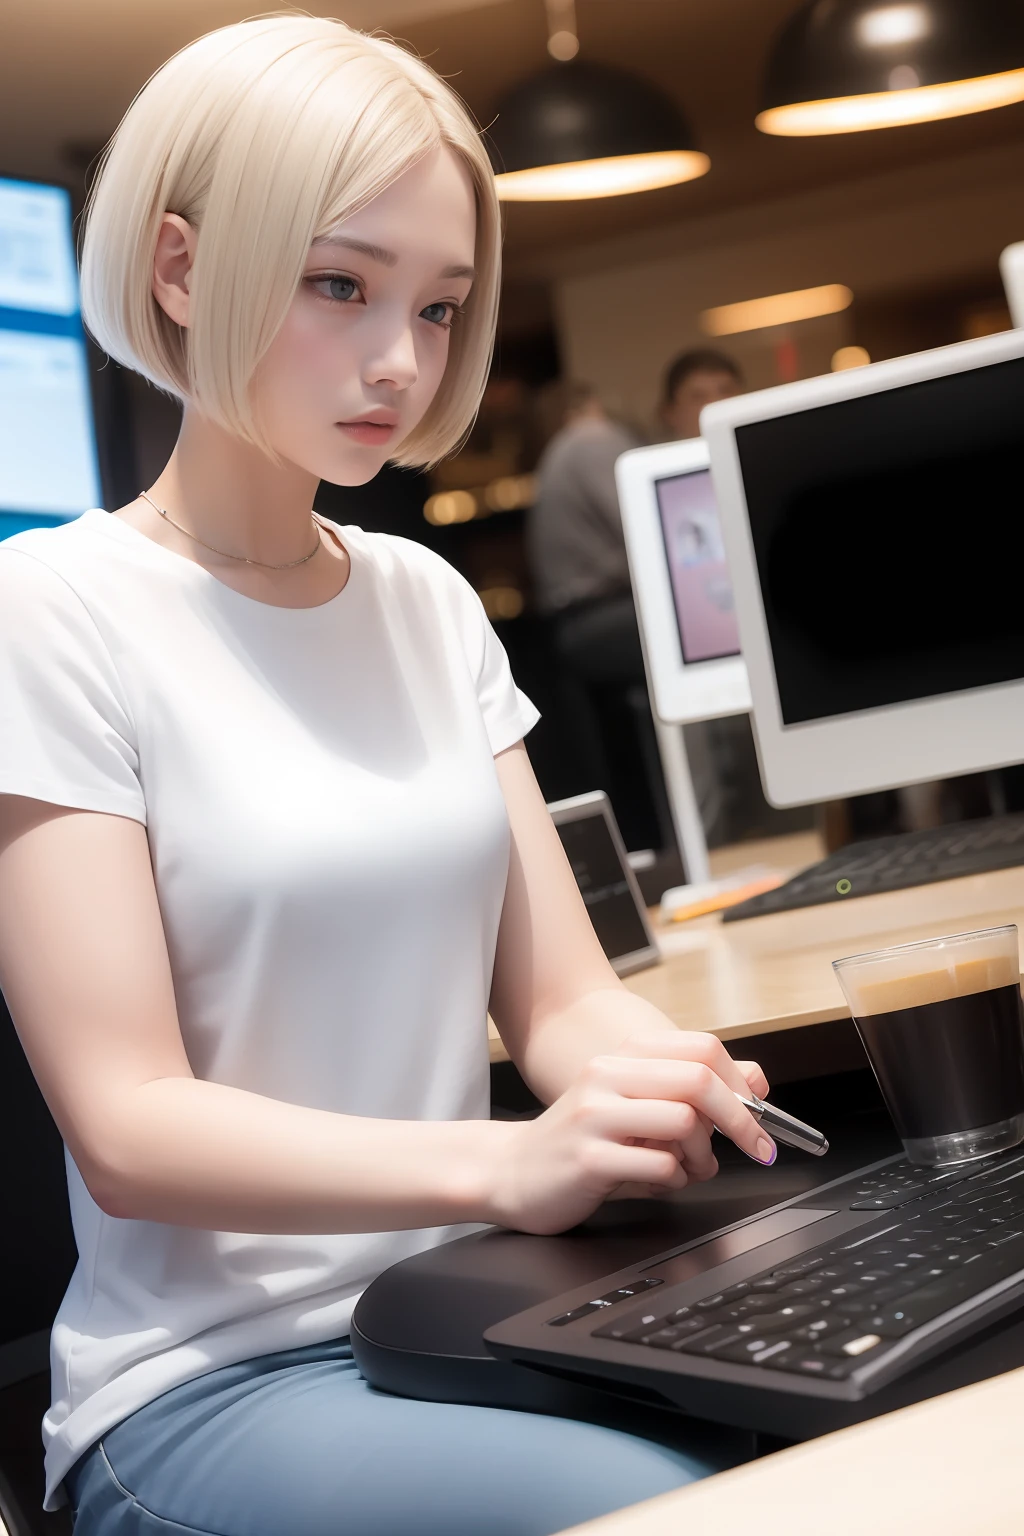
pixel 439 314
pixel 342 287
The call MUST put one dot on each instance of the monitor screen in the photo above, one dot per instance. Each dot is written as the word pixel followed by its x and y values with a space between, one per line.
pixel 48 463
pixel 588 845
pixel 701 588
pixel 889 538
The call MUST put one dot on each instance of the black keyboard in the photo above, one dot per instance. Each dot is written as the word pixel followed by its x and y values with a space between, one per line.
pixel 864 1295
pixel 943 1239
pixel 894 864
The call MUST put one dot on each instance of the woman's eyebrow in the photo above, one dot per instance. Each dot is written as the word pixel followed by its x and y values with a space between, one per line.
pixel 384 257
pixel 364 247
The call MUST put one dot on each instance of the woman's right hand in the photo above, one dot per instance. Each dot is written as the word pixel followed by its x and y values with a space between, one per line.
pixel 642 1119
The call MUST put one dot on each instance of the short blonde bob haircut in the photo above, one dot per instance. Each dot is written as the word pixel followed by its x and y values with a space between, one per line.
pixel 264 136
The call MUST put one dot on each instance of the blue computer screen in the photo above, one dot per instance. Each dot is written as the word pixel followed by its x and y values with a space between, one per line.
pixel 48 464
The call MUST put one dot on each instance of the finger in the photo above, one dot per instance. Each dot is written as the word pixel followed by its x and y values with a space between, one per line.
pixel 689 1083
pixel 697 1157
pixel 695 1152
pixel 612 1163
pixel 663 1120
pixel 700 1167
pixel 644 1191
pixel 756 1079
pixel 692 1045
pixel 657 1169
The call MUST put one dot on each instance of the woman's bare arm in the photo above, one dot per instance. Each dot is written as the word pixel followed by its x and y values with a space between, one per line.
pixel 84 968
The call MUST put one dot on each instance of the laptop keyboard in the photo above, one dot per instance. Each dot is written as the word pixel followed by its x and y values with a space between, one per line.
pixel 941 1237
pixel 895 863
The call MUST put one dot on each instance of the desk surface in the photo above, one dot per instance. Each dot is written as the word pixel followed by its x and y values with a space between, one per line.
pixel 773 973
pixel 944 1467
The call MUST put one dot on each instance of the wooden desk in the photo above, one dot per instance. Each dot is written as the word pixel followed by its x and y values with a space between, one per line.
pixel 775 973
pixel 946 1467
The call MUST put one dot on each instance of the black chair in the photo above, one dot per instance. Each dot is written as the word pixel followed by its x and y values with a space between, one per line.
pixel 38 1258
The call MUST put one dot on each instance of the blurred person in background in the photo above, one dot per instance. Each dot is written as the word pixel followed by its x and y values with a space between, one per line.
pixel 574 532
pixel 577 553
pixel 692 381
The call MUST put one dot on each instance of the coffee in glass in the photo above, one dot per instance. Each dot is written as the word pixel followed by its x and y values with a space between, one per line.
pixel 943 1027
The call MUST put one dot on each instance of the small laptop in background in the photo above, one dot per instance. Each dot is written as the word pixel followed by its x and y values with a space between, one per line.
pixel 594 847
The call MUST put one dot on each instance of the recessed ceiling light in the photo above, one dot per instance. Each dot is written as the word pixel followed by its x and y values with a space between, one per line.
pixel 776 309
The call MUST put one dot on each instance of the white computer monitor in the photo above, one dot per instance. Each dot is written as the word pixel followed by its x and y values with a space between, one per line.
pixel 874 525
pixel 681 582
pixel 1011 268
pixel 49 471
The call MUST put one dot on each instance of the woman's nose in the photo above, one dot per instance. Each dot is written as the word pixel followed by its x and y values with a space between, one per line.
pixel 394 362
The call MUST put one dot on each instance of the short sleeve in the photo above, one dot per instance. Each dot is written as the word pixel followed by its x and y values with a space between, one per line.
pixel 507 713
pixel 66 730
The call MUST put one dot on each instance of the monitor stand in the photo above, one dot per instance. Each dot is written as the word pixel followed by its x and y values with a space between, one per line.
pixel 686 817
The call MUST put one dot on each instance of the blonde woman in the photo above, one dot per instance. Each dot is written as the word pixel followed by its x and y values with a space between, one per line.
pixel 270 843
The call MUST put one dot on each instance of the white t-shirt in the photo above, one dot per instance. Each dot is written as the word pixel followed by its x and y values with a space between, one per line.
pixel 330 848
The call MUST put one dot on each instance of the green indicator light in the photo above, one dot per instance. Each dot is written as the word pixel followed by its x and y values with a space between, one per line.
pixel 844 887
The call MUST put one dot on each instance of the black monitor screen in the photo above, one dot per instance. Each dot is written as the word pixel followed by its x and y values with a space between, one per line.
pixel 889 538
pixel 701 585
pixel 603 885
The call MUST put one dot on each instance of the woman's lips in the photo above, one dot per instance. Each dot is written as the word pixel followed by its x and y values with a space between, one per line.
pixel 369 432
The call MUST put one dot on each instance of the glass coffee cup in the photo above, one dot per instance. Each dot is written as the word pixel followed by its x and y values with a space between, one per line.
pixel 943 1026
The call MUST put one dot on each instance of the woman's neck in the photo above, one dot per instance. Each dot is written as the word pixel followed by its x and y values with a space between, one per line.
pixel 231 495
pixel 232 498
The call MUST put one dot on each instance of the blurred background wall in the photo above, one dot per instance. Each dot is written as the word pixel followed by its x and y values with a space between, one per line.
pixel 918 246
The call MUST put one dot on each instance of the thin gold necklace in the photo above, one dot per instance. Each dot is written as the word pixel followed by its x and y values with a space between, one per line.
pixel 287 566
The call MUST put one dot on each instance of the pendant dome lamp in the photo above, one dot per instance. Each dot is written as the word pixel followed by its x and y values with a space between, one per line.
pixel 845 66
pixel 585 130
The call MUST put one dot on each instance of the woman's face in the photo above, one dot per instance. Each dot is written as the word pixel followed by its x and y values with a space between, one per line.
pixel 364 345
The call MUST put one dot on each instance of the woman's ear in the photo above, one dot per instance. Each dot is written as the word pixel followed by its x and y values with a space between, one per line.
pixel 172 266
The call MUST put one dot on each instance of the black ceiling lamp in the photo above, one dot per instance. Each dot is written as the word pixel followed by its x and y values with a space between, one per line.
pixel 845 66
pixel 582 130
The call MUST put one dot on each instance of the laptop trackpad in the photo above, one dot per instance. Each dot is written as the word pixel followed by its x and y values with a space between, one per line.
pixel 694 1261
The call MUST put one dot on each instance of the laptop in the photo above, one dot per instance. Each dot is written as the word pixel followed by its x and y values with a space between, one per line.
pixel 806 1317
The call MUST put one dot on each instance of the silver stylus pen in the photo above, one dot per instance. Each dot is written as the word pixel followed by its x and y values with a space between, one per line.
pixel 786 1128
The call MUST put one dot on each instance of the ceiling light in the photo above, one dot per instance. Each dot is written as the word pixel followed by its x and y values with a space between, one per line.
pixel 563 46
pixel 610 177
pixel 850 357
pixel 846 66
pixel 583 130
pixel 889 24
pixel 776 309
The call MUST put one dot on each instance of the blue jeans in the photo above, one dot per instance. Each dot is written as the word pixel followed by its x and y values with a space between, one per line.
pixel 299 1444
